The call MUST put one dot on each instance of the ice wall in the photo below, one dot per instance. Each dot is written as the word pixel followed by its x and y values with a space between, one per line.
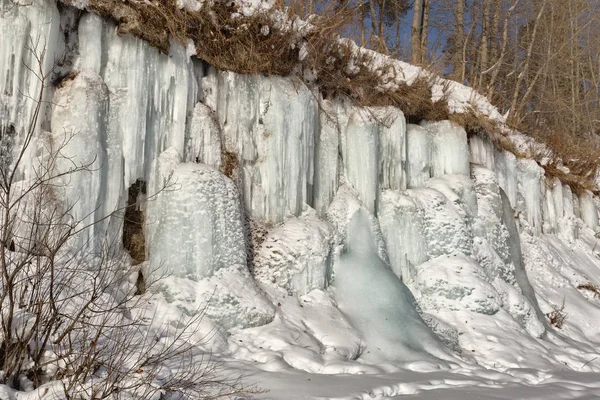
pixel 409 222
pixel 79 127
pixel 30 46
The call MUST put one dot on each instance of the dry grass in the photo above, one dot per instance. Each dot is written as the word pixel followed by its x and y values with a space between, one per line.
pixel 590 287
pixel 229 163
pixel 575 154
pixel 134 239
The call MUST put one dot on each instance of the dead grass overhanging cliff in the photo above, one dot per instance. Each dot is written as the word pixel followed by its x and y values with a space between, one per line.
pixel 253 45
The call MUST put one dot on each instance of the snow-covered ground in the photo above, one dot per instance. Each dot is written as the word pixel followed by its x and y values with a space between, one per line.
pixel 346 254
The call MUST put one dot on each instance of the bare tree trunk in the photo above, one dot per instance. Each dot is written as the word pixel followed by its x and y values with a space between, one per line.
pixel 485 22
pixel 494 30
pixel 424 30
pixel 459 42
pixel 362 25
pixel 415 34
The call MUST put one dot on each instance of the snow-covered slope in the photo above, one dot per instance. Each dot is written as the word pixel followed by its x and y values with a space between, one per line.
pixel 326 239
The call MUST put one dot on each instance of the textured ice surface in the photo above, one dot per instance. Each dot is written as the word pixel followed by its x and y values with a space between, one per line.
pixel 459 190
pixel 488 225
pixel 360 151
pixel 529 196
pixel 498 255
pixel 402 227
pixel 419 148
pixel 450 149
pixel 446 224
pixel 378 304
pixel 296 255
pixel 327 159
pixel 198 223
pixel 270 124
pixel 455 283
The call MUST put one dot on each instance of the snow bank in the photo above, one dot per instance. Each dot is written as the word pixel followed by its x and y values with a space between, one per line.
pixel 297 255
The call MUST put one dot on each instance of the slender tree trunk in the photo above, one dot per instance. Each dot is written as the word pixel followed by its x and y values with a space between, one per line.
pixel 362 25
pixel 485 22
pixel 415 34
pixel 424 30
pixel 459 42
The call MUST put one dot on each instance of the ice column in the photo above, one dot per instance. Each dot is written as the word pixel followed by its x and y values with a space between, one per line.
pixel 482 151
pixel 270 123
pixel 402 227
pixel 529 200
pixel 360 144
pixel 392 141
pixel 587 208
pixel 419 149
pixel 203 142
pixel 79 125
pixel 505 166
pixel 327 160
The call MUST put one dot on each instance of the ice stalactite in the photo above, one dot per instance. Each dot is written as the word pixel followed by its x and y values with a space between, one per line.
pixel 419 149
pixel 327 156
pixel 529 199
pixel 450 149
pixel 360 151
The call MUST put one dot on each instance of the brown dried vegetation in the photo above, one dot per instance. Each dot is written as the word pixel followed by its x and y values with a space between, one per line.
pixel 590 287
pixel 557 316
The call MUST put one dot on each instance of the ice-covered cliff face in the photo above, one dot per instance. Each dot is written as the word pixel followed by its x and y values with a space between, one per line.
pixel 258 189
